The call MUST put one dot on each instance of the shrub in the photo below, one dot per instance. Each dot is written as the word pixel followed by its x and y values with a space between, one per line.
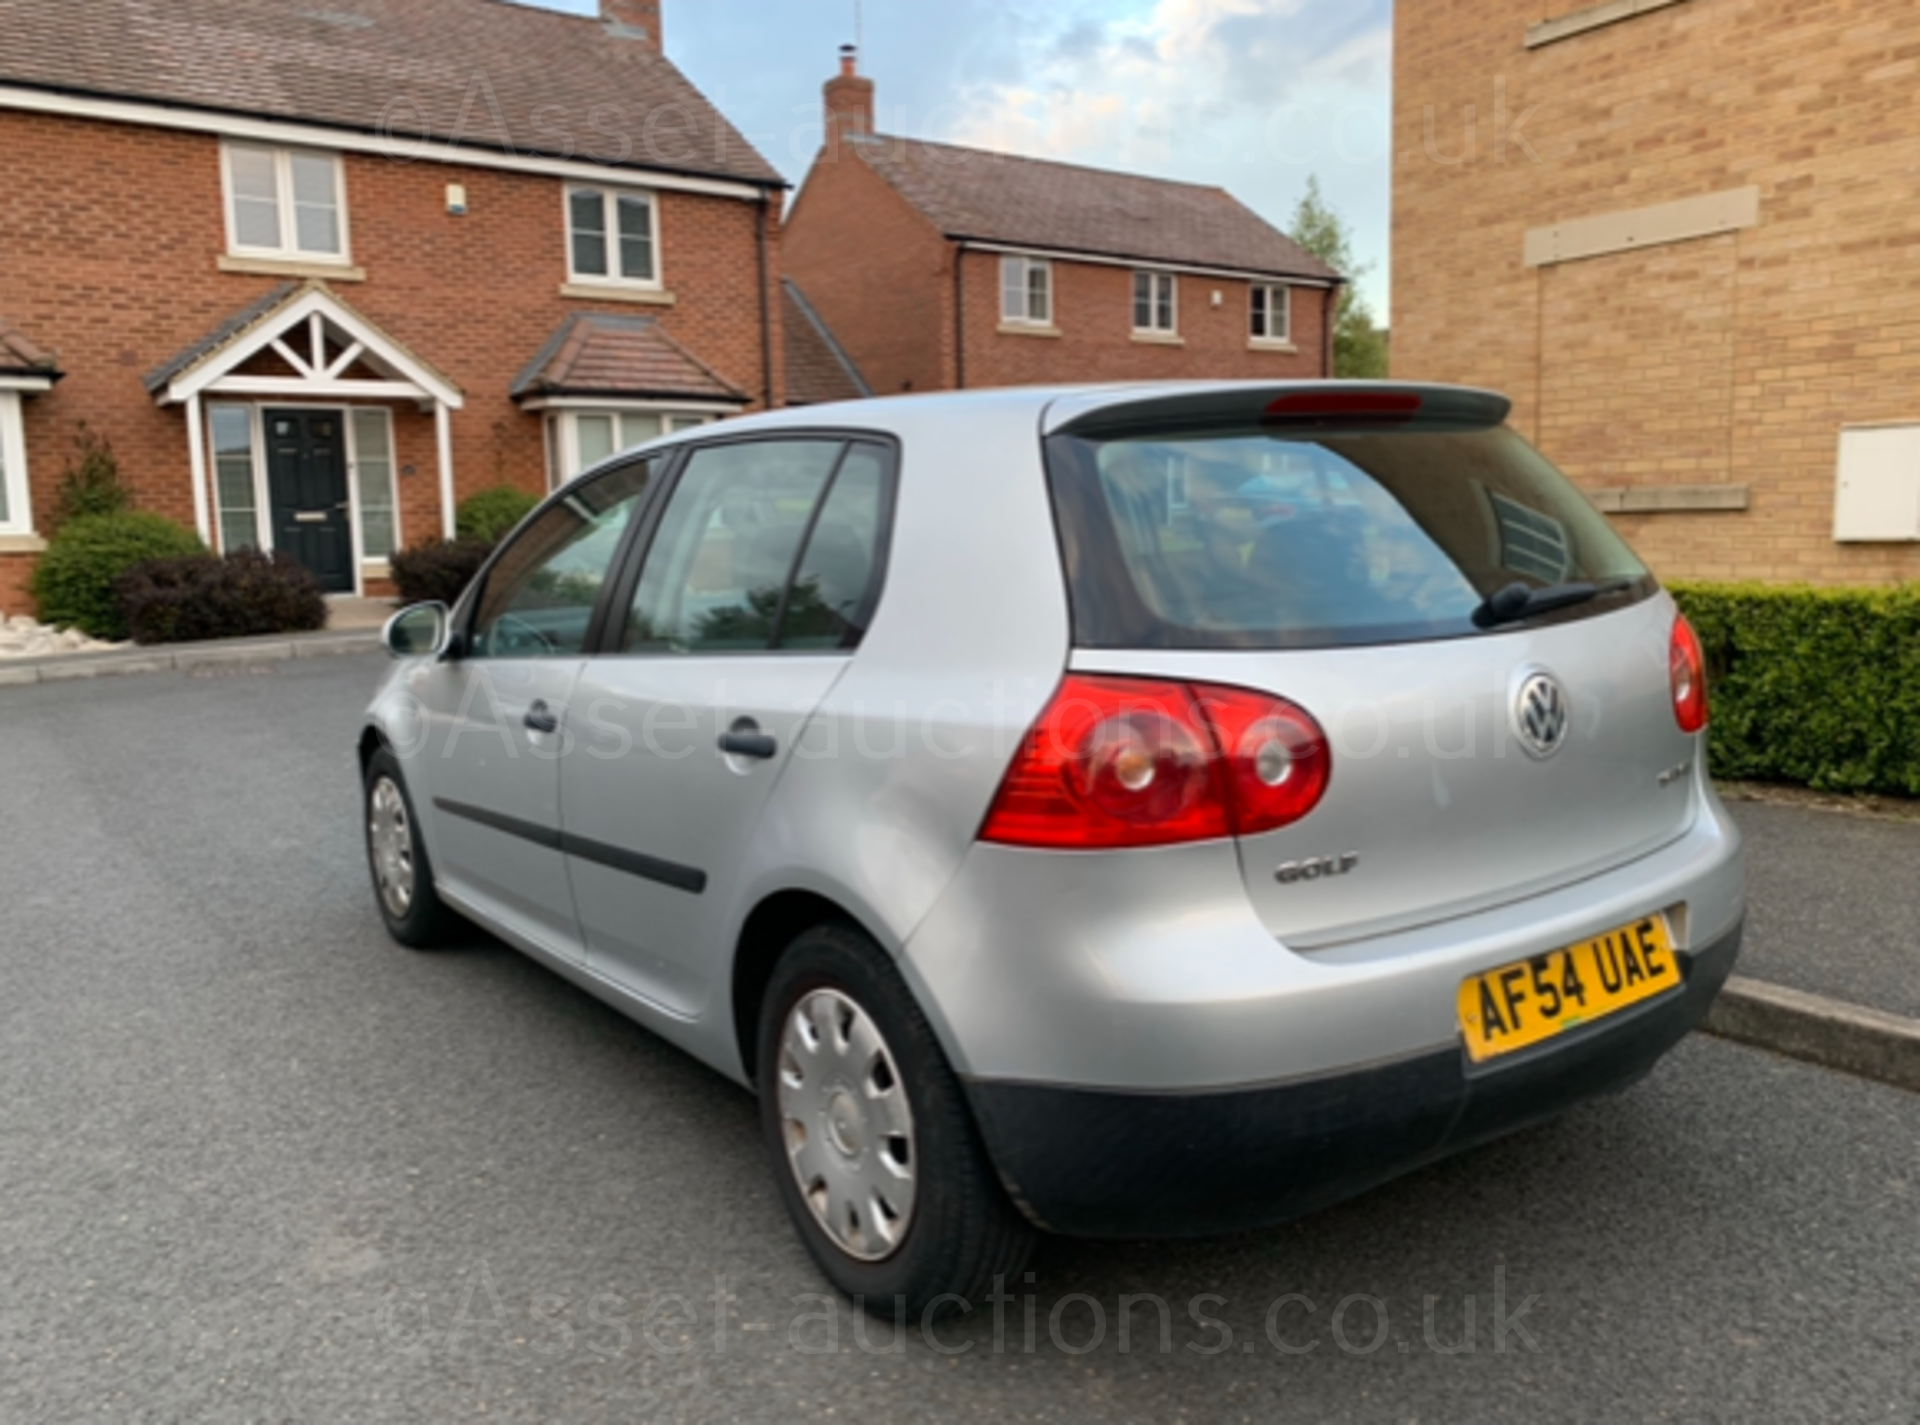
pixel 74 583
pixel 245 595
pixel 1819 687
pixel 91 483
pixel 438 571
pixel 491 515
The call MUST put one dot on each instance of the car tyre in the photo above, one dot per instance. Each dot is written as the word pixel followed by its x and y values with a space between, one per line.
pixel 848 1067
pixel 397 859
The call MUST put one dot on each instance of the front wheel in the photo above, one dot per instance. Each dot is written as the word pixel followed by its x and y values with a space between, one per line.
pixel 397 858
pixel 875 1150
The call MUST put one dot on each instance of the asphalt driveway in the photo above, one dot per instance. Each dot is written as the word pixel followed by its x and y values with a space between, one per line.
pixel 256 1163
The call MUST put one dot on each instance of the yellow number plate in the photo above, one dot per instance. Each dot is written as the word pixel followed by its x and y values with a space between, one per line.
pixel 1521 1005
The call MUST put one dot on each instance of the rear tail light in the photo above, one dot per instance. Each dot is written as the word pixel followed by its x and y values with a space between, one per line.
pixel 1688 669
pixel 1123 762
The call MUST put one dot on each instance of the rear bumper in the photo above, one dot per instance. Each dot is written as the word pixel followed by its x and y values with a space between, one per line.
pixel 1107 1163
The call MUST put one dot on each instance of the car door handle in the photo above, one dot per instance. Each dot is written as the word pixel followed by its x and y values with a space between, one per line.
pixel 745 739
pixel 541 718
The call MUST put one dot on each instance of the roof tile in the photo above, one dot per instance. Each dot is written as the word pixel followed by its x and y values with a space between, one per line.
pixel 818 368
pixel 484 74
pixel 1031 202
pixel 618 357
pixel 20 357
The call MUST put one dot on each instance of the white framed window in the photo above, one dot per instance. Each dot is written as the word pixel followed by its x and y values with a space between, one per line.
pixel 580 440
pixel 1026 291
pixel 285 203
pixel 16 507
pixel 613 236
pixel 1156 303
pixel 1272 314
pixel 236 476
pixel 373 485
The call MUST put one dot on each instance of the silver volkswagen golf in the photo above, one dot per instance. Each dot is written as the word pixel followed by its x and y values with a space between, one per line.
pixel 1139 811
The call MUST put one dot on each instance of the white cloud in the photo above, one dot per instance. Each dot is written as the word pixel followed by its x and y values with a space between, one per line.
pixel 1249 94
pixel 1187 81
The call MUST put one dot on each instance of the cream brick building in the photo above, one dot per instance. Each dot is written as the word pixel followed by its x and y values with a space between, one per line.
pixel 1684 235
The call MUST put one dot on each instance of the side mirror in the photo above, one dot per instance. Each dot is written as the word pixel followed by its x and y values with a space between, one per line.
pixel 423 631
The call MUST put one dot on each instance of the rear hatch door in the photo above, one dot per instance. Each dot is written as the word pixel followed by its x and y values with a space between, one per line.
pixel 1341 548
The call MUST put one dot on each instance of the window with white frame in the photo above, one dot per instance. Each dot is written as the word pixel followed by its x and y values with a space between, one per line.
pixel 373 482
pixel 613 235
pixel 235 483
pixel 1026 291
pixel 286 203
pixel 1156 303
pixel 582 439
pixel 1272 313
pixel 16 511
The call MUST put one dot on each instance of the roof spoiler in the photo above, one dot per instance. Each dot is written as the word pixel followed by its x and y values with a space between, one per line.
pixel 1298 407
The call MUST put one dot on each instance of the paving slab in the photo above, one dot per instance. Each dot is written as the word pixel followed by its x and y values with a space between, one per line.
pixel 1833 905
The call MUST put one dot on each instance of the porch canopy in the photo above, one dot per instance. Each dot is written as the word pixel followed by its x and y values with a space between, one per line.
pixel 23 366
pixel 596 359
pixel 326 352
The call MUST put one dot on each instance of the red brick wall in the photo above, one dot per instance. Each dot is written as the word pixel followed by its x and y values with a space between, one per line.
pixel 112 237
pixel 878 273
pixel 1093 313
pixel 882 278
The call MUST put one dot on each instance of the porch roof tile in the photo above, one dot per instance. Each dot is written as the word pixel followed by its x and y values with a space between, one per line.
pixel 620 357
pixel 20 357
pixel 240 322
pixel 266 310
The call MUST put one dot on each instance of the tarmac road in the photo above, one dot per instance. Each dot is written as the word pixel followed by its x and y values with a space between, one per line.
pixel 256 1163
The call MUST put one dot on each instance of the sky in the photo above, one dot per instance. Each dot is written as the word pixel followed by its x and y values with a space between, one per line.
pixel 1252 95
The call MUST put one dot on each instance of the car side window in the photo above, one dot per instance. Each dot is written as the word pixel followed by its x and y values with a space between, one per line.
pixel 832 595
pixel 716 576
pixel 540 595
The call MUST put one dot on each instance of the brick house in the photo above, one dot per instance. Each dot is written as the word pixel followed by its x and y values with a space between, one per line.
pixel 318 272
pixel 941 267
pixel 1681 234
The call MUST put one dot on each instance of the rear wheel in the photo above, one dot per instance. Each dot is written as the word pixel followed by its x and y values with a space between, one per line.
pixel 871 1139
pixel 397 858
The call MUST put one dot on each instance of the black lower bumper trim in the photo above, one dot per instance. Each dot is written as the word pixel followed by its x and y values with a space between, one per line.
pixel 1095 1163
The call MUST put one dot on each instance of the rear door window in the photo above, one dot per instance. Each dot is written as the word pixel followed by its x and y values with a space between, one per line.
pixel 763 545
pixel 1257 539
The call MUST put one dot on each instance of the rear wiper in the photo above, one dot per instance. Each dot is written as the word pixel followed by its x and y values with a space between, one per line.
pixel 1519 601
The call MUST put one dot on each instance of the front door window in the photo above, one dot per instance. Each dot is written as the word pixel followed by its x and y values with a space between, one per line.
pixel 540 596
pixel 307 483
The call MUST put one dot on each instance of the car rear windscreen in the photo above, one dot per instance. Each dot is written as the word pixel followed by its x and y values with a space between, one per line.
pixel 1257 538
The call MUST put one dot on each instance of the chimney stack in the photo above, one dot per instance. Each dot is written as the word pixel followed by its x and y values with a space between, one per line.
pixel 849 101
pixel 634 20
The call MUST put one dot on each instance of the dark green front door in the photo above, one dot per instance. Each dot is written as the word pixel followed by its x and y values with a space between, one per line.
pixel 307 482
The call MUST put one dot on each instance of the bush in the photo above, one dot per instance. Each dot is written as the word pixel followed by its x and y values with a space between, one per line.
pixel 74 583
pixel 438 571
pixel 245 595
pixel 1819 687
pixel 91 484
pixel 491 515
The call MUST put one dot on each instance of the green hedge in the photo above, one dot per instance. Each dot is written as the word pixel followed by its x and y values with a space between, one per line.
pixel 491 515
pixel 1819 687
pixel 74 583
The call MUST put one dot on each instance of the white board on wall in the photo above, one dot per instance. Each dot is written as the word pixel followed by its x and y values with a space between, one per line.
pixel 1877 494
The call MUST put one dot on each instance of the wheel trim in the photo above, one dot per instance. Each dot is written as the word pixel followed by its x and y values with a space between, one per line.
pixel 847 1125
pixel 390 839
